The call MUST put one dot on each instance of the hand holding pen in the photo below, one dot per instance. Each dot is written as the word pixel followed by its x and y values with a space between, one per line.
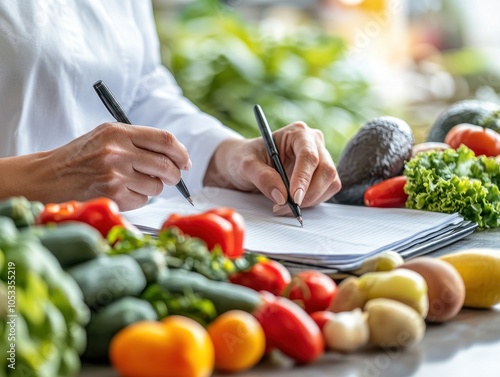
pixel 275 159
pixel 117 112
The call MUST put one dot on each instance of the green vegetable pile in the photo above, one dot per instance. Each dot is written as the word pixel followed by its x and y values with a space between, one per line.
pixel 455 181
pixel 42 314
pixel 65 291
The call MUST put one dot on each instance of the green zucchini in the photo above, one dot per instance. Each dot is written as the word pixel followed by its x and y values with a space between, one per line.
pixel 106 279
pixel 71 243
pixel 111 319
pixel 225 296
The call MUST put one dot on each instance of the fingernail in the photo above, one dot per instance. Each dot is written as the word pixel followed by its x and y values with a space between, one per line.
pixel 188 165
pixel 298 197
pixel 278 197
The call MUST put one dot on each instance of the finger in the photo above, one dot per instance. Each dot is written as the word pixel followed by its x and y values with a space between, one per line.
pixel 325 181
pixel 265 178
pixel 143 184
pixel 307 158
pixel 161 141
pixel 157 165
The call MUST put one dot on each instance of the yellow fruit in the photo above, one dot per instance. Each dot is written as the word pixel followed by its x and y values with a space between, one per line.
pixel 480 271
pixel 239 341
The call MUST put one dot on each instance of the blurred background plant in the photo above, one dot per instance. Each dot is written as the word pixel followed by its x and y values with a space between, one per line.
pixel 331 63
pixel 226 64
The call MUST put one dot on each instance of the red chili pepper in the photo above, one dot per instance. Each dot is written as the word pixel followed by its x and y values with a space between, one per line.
pixel 388 193
pixel 101 213
pixel 267 275
pixel 289 329
pixel 222 227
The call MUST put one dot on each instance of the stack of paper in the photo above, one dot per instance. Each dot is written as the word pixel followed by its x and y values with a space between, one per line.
pixel 334 235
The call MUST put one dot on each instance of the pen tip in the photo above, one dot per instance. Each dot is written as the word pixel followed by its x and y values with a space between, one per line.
pixel 190 201
pixel 299 219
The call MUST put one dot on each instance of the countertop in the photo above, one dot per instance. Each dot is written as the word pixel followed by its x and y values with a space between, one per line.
pixel 468 345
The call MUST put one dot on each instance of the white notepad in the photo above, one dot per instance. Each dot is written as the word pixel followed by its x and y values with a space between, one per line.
pixel 334 235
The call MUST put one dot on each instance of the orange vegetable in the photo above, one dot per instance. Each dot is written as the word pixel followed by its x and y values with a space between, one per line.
pixel 239 341
pixel 175 347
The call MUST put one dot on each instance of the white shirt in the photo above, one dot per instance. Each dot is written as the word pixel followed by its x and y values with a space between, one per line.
pixel 52 51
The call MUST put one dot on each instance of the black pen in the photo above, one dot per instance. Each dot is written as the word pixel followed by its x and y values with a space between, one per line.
pixel 115 109
pixel 275 158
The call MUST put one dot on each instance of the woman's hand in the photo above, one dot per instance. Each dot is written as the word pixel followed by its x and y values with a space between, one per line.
pixel 123 162
pixel 244 164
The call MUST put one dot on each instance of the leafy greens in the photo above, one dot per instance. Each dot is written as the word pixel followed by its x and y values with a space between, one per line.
pixel 455 181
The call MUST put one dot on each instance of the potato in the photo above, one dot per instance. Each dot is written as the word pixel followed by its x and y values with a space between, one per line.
pixel 445 287
pixel 393 324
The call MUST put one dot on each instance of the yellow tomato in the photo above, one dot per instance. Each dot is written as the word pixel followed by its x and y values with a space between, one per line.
pixel 176 347
pixel 238 339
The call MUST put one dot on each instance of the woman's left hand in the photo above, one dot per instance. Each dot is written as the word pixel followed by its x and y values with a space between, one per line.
pixel 244 164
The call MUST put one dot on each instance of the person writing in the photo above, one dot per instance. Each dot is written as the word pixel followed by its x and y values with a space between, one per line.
pixel 58 142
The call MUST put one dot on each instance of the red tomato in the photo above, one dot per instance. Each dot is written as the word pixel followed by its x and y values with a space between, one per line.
pixel 322 317
pixel 483 141
pixel 313 290
pixel 288 328
pixel 268 275
pixel 388 194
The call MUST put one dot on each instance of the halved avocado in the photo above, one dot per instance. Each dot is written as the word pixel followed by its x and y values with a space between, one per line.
pixel 378 151
pixel 480 113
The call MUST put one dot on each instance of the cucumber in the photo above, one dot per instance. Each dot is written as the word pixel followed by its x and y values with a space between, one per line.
pixel 110 320
pixel 8 232
pixel 152 262
pixel 106 279
pixel 20 209
pixel 225 296
pixel 71 243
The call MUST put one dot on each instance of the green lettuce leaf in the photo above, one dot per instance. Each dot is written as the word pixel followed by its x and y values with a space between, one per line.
pixel 455 181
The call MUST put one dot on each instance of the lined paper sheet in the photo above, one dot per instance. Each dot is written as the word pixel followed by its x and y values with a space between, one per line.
pixel 333 235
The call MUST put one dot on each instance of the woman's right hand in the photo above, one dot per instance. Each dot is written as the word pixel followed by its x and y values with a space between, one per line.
pixel 125 163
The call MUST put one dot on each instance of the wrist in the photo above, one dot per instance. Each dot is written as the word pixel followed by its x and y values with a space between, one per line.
pixel 223 165
pixel 28 176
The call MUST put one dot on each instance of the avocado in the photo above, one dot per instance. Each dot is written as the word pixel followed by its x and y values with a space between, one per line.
pixel 378 151
pixel 480 113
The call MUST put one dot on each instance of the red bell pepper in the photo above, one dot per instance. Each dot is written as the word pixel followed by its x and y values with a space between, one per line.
pixel 222 227
pixel 267 275
pixel 289 328
pixel 388 193
pixel 101 213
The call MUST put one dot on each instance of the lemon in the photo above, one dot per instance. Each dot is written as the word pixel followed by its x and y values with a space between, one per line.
pixel 480 271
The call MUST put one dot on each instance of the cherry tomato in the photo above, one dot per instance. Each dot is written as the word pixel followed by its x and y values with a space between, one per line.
pixel 268 275
pixel 388 193
pixel 239 341
pixel 483 141
pixel 311 289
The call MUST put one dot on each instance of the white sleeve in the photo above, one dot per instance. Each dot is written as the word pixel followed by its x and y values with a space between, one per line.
pixel 159 102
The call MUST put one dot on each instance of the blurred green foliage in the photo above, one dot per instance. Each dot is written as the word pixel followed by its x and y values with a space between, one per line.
pixel 225 64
